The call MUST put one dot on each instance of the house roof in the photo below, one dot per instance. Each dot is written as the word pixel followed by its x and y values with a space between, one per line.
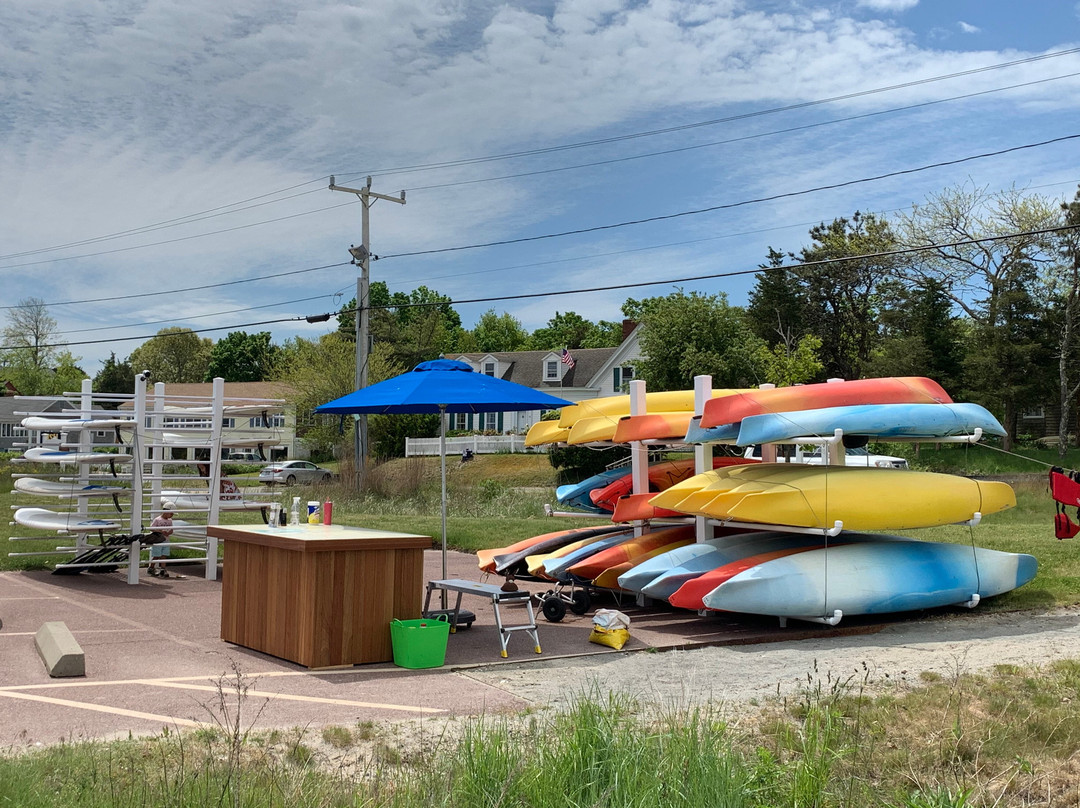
pixel 527 367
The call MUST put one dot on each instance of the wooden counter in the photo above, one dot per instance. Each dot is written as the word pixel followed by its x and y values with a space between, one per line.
pixel 318 595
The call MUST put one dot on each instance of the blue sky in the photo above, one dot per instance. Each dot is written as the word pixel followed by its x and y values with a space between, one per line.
pixel 149 147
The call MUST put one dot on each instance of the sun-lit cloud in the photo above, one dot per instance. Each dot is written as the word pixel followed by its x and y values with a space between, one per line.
pixel 968 28
pixel 888 6
pixel 142 117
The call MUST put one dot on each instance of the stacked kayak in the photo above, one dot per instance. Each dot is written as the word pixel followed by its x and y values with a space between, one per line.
pixel 820 496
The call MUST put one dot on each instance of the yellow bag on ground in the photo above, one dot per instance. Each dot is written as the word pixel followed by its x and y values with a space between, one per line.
pixel 610 628
pixel 612 637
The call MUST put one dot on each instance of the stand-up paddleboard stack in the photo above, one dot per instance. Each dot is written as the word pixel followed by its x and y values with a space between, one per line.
pixel 110 491
pixel 799 547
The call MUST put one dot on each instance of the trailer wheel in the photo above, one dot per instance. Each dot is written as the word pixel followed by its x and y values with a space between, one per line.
pixel 554 609
pixel 580 602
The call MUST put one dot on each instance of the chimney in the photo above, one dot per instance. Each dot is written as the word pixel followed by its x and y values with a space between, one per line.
pixel 628 327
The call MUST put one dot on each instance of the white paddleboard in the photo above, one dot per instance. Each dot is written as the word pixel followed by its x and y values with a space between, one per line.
pixel 43 519
pixel 52 488
pixel 180 439
pixel 40 454
pixel 44 424
pixel 202 502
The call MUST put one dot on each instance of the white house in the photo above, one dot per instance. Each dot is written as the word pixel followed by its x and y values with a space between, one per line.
pixel 595 372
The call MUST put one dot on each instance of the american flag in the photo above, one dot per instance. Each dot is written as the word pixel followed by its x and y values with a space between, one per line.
pixel 567 359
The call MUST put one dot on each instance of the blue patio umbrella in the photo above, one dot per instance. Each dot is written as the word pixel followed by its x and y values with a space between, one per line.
pixel 442 386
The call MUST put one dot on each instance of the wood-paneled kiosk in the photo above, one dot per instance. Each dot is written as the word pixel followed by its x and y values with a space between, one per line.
pixel 318 595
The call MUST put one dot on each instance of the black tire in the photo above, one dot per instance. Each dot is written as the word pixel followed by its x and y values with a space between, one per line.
pixel 326 478
pixel 580 602
pixel 554 609
pixel 290 480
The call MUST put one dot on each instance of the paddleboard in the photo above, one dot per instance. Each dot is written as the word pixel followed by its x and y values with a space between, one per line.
pixel 873 420
pixel 180 439
pixel 872 578
pixel 819 496
pixel 889 390
pixel 52 488
pixel 201 502
pixel 43 519
pixel 44 424
pixel 40 454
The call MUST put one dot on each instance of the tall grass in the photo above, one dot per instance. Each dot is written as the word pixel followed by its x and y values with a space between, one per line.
pixel 1009 738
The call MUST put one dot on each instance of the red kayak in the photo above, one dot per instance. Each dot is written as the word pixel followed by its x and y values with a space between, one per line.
pixel 888 390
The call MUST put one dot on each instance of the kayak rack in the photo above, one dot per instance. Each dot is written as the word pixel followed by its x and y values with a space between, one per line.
pixel 835 530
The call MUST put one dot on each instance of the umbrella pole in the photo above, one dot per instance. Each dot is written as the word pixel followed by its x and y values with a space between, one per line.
pixel 442 455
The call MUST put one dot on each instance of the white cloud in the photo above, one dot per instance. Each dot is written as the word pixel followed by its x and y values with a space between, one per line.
pixel 888 6
pixel 968 28
pixel 111 121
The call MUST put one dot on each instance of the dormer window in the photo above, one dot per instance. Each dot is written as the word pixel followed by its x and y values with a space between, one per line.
pixel 551 370
pixel 489 368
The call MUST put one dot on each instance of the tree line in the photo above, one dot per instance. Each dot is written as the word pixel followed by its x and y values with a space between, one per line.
pixel 978 290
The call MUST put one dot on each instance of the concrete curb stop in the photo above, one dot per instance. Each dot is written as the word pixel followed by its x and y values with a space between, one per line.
pixel 62 655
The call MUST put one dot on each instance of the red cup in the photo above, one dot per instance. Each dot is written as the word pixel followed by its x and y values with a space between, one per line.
pixel 327 512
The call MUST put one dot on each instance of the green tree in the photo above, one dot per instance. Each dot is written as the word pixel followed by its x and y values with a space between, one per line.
pixel 785 367
pixel 1064 288
pixel 564 330
pixel 685 335
pixel 777 306
pixel 242 357
pixel 842 295
pixel 32 358
pixel 114 377
pixel 499 332
pixel 175 354
pixel 985 251
pixel 920 335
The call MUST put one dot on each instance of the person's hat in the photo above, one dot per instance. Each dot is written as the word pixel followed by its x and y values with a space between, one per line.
pixel 168 506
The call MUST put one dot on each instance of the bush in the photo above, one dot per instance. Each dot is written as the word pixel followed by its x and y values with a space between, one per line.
pixel 580 461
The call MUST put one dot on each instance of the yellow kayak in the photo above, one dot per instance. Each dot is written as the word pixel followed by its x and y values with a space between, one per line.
pixel 544 432
pixel 819 496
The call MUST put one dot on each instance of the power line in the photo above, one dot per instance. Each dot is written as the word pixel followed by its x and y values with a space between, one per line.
pixel 716 121
pixel 234 207
pixel 313 318
pixel 730 205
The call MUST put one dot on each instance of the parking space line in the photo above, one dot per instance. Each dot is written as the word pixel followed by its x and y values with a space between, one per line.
pixel 292 697
pixel 101 708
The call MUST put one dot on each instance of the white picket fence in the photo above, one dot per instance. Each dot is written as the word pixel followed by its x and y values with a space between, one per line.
pixel 479 444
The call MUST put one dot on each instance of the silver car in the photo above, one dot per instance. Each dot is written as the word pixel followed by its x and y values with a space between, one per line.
pixel 294 471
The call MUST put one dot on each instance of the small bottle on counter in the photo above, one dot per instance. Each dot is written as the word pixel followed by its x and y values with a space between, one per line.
pixel 294 514
pixel 327 512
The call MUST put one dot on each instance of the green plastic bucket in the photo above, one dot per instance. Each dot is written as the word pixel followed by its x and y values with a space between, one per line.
pixel 420 643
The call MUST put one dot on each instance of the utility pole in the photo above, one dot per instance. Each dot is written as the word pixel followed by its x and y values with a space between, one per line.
pixel 362 257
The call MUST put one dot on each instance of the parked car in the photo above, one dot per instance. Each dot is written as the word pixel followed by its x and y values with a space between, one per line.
pixel 293 472
pixel 244 456
pixel 855 456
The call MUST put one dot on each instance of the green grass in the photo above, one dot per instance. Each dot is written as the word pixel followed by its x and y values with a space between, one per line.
pixel 1008 738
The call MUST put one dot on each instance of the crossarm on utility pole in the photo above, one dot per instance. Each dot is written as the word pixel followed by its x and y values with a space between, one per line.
pixel 362 257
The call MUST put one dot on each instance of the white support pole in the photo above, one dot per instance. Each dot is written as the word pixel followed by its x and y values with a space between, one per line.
pixel 217 407
pixel 639 453
pixel 138 457
pixel 703 452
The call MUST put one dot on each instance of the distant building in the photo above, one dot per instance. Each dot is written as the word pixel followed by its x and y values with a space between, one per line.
pixel 593 372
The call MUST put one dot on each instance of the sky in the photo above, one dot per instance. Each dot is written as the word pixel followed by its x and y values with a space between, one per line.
pixel 168 164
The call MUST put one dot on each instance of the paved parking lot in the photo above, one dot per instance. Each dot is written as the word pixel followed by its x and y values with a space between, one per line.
pixel 154 658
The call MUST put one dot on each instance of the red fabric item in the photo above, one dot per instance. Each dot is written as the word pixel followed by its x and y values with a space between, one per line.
pixel 1064 488
pixel 1064 528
